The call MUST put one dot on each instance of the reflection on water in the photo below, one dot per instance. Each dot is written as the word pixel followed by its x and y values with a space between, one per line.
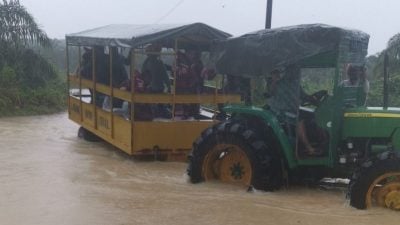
pixel 49 176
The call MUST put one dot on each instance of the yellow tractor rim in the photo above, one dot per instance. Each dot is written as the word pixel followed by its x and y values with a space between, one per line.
pixel 385 191
pixel 228 163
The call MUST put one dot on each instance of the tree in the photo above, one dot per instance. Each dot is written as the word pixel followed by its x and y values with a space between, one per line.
pixel 393 50
pixel 375 68
pixel 18 26
pixel 29 84
pixel 394 44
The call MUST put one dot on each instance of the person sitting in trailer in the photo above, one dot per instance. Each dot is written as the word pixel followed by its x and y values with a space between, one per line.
pixel 156 78
pixel 189 79
pixel 184 82
pixel 142 111
pixel 85 68
pixel 184 78
pixel 119 77
pixel 101 69
pixel 154 71
pixel 119 73
pixel 196 67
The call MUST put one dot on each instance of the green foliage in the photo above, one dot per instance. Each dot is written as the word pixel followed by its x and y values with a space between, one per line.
pixel 9 92
pixel 375 74
pixel 56 54
pixel 17 98
pixel 36 71
pixel 8 77
pixel 28 83
pixel 394 89
pixel 18 26
pixel 394 46
pixel 49 96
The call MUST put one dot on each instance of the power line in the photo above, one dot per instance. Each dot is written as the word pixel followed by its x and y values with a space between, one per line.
pixel 170 11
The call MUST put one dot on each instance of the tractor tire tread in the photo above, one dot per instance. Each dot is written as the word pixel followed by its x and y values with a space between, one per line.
pixel 267 173
pixel 365 175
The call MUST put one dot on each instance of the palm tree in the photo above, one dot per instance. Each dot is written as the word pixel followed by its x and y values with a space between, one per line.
pixel 394 45
pixel 26 78
pixel 17 26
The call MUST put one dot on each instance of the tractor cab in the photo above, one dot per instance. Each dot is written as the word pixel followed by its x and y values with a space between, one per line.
pixel 306 69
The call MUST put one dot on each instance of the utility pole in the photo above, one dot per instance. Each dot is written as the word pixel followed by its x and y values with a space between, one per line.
pixel 268 15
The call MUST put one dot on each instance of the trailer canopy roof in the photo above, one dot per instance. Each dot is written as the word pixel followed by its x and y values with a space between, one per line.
pixel 128 35
pixel 260 52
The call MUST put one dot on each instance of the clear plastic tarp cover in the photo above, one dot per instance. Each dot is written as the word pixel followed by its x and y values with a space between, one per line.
pixel 128 35
pixel 260 52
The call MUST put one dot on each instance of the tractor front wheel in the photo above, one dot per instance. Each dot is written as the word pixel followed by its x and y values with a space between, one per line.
pixel 377 183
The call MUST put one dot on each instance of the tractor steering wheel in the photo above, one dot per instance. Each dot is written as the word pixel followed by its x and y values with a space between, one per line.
pixel 315 99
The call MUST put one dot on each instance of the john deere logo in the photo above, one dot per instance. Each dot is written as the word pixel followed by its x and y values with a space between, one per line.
pixel 373 115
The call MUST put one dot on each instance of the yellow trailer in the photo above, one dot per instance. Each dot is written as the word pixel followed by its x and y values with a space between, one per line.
pixel 168 138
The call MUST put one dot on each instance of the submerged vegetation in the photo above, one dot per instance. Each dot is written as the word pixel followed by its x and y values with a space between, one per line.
pixel 29 84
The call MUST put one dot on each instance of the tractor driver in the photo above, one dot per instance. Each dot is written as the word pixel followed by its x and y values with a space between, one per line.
pixel 306 125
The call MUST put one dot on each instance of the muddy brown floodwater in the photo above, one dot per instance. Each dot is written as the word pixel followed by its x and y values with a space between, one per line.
pixel 49 176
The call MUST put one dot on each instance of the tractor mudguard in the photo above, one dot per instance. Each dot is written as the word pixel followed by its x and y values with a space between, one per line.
pixel 270 120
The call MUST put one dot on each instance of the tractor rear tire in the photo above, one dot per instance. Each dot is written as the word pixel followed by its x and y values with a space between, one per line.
pixel 377 183
pixel 233 153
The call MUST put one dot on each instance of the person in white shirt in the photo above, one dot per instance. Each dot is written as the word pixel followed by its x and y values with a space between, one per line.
pixel 357 76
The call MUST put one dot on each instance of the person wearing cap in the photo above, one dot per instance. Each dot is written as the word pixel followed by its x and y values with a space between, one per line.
pixel 156 78
pixel 154 70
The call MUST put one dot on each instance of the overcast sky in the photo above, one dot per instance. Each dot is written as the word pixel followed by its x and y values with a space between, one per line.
pixel 381 19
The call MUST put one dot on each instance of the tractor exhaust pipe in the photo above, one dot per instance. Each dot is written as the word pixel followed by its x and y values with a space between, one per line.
pixel 385 81
pixel 268 16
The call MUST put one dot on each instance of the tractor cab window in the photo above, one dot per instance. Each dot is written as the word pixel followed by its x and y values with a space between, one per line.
pixel 317 79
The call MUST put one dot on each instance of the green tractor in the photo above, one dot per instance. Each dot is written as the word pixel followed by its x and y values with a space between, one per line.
pixel 315 123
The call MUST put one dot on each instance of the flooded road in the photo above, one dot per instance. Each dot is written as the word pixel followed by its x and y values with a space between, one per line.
pixel 49 176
